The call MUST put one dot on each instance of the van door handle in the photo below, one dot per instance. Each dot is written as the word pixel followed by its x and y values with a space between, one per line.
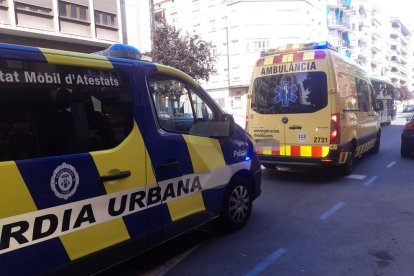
pixel 174 165
pixel 117 176
pixel 295 127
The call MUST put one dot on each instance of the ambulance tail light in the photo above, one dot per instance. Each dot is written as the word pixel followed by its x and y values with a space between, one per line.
pixel 409 126
pixel 335 129
pixel 247 122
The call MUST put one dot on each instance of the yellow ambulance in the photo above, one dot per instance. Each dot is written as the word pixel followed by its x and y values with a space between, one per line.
pixel 311 106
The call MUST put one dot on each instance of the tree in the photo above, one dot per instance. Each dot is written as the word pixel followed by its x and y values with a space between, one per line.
pixel 188 53
pixel 403 94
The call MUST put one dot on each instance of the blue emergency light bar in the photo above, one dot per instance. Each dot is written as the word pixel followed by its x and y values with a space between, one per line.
pixel 299 47
pixel 121 51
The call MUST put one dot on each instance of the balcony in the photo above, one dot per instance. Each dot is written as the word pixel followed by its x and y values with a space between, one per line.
pixel 338 4
pixel 404 39
pixel 342 25
pixel 375 46
pixel 394 76
pixel 394 64
pixel 403 59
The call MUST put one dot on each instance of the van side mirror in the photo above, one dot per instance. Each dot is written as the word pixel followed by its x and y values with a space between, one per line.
pixel 228 118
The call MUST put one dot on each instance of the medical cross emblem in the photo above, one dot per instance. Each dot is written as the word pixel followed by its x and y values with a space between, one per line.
pixel 286 93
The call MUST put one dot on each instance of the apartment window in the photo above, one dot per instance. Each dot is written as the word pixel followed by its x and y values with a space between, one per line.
pixel 73 11
pixel 236 102
pixel 213 25
pixel 257 45
pixel 30 8
pixel 105 19
pixel 196 5
pixel 3 3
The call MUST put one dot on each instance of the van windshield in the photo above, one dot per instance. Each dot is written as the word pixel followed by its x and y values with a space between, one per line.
pixel 303 92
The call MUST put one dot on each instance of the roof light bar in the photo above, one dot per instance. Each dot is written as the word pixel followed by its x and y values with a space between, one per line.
pixel 296 47
pixel 121 51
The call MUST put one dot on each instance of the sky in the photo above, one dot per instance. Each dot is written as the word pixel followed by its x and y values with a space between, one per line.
pixel 400 8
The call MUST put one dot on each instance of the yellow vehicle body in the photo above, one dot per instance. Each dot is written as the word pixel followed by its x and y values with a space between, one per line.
pixel 311 107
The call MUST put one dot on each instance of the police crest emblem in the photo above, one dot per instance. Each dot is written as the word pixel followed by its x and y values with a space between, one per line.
pixel 64 181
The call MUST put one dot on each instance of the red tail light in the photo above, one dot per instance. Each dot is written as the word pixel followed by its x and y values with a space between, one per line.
pixel 247 121
pixel 335 129
pixel 409 125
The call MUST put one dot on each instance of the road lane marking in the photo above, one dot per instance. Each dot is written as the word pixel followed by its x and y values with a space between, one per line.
pixel 331 211
pixel 370 181
pixel 262 167
pixel 356 176
pixel 260 267
pixel 391 164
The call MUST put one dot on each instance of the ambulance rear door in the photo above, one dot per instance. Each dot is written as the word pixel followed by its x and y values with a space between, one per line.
pixel 292 96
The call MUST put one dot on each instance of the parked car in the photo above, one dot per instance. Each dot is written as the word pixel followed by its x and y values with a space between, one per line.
pixel 408 108
pixel 407 137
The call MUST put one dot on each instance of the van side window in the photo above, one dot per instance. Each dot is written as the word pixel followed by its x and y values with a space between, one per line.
pixel 348 92
pixel 39 119
pixel 179 108
pixel 363 94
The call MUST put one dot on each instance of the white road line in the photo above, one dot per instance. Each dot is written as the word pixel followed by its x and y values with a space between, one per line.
pixel 332 211
pixel 262 167
pixel 370 181
pixel 391 164
pixel 356 176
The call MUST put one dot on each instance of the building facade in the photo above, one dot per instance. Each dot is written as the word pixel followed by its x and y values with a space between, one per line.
pixel 239 31
pixel 401 55
pixel 363 31
pixel 76 25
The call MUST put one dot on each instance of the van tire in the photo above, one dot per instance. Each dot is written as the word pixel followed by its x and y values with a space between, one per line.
pixel 377 146
pixel 348 167
pixel 236 205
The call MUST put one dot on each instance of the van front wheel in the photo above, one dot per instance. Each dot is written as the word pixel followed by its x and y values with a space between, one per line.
pixel 236 206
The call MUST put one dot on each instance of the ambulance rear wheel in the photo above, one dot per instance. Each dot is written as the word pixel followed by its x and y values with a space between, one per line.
pixel 376 148
pixel 348 167
pixel 236 206
pixel 404 151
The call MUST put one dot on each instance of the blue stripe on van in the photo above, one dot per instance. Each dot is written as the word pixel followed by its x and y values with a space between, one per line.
pixel 24 53
pixel 38 173
pixel 34 259
pixel 228 146
pixel 143 223
pixel 213 199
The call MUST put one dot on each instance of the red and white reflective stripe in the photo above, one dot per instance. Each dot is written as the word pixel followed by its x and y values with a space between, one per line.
pixel 292 57
pixel 294 150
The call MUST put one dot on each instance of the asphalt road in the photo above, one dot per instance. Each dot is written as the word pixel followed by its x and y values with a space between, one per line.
pixel 308 223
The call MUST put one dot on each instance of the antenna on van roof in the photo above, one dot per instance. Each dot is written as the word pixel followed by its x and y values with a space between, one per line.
pixel 121 51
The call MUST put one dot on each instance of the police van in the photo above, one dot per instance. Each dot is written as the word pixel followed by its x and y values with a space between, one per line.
pixel 103 156
pixel 310 106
